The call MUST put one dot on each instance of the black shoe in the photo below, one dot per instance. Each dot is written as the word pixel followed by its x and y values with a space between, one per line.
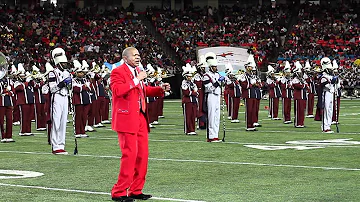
pixel 123 199
pixel 141 196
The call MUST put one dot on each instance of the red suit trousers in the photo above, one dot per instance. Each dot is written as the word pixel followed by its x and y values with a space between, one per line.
pixel 134 161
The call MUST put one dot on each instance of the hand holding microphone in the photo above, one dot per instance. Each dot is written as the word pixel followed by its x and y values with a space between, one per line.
pixel 141 76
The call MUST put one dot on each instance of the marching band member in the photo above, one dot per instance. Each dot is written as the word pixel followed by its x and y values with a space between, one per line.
pixel 25 99
pixel 39 100
pixel 160 100
pixel 274 93
pixel 250 93
pixel 81 99
pixel 189 99
pixel 300 95
pixel 212 81
pixel 317 81
pixel 6 102
pixel 14 77
pixel 45 90
pixel 151 101
pixel 309 78
pixel 286 93
pixel 106 83
pixel 327 93
pixel 258 85
pixel 227 96
pixel 59 80
pixel 234 93
pixel 198 80
pixel 99 104
pixel 92 109
pixel 338 88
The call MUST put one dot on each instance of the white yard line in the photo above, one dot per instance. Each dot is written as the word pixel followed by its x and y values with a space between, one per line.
pixel 87 192
pixel 205 161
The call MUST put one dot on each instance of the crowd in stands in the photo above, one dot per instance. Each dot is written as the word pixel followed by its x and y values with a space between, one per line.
pixel 257 27
pixel 28 36
pixel 324 31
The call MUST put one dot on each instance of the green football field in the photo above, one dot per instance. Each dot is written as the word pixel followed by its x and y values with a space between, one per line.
pixel 276 163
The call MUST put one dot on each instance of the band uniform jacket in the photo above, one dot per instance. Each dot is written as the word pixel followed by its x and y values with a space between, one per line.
pixel 99 88
pixel 7 92
pixel 81 91
pixel 39 97
pixel 24 92
pixel 126 101
pixel 249 86
pixel 198 80
pixel 274 88
pixel 151 83
pixel 311 83
pixel 189 92
pixel 211 83
pixel 234 88
pixel 286 88
pixel 300 89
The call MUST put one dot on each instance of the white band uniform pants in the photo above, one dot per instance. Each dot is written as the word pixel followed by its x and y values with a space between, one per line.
pixel 59 113
pixel 328 110
pixel 213 104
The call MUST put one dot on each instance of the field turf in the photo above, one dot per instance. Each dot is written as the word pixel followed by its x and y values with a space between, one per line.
pixel 276 163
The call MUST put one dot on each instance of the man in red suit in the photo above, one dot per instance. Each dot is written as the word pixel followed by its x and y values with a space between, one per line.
pixel 129 120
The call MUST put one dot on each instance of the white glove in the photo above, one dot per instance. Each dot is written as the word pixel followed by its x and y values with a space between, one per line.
pixel 252 81
pixel 8 88
pixel 87 84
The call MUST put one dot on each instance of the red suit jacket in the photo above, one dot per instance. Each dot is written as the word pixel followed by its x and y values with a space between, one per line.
pixel 126 97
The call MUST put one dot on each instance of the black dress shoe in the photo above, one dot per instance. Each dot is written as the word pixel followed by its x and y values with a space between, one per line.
pixel 141 196
pixel 123 199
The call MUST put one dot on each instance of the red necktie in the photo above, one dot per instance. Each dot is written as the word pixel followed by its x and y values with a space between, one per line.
pixel 142 94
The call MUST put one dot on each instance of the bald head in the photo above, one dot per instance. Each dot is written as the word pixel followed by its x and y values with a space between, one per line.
pixel 131 56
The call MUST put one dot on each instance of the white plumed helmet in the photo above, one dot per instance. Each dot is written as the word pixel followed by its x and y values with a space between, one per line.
pixel 325 63
pixel 77 65
pixel 270 69
pixel 250 61
pixel 287 68
pixel 229 68
pixel 335 65
pixel 211 60
pixel 58 55
pixel 297 68
pixel 21 70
